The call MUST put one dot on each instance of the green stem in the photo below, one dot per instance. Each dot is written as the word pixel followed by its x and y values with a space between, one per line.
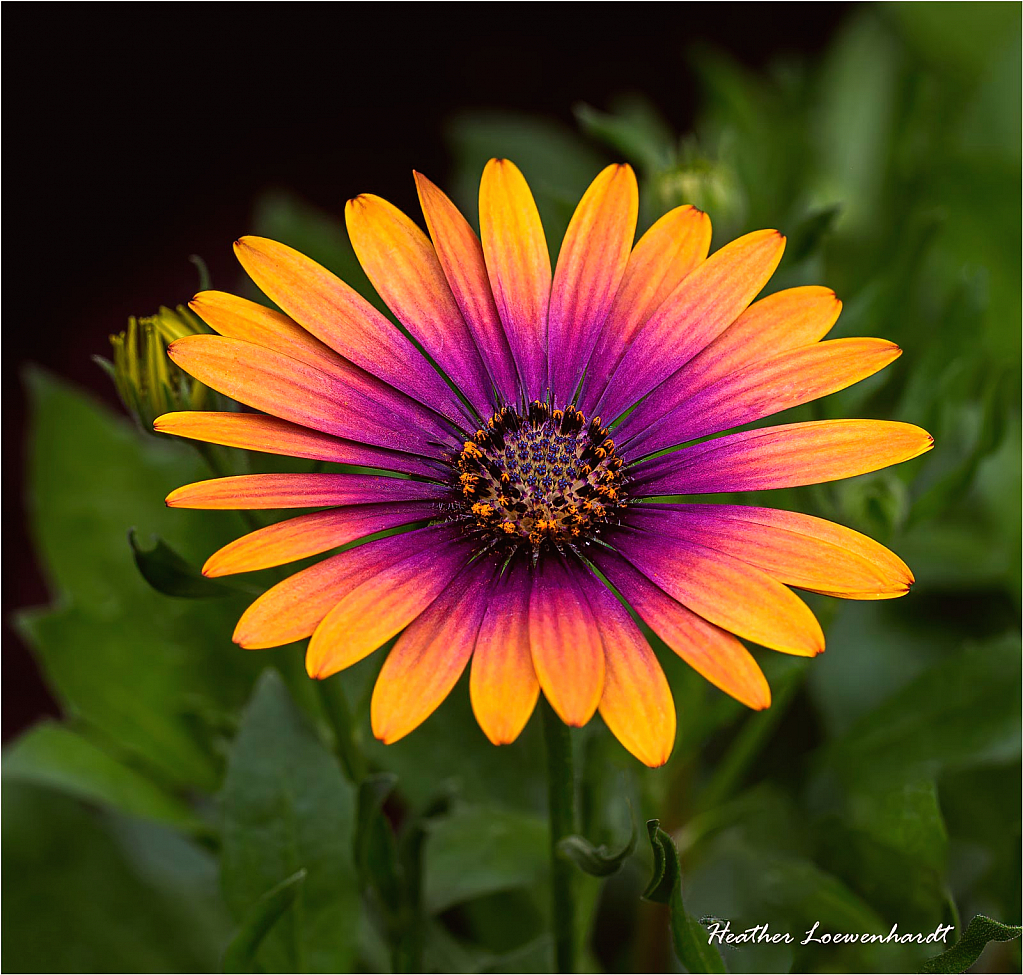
pixel 335 704
pixel 562 811
pixel 747 745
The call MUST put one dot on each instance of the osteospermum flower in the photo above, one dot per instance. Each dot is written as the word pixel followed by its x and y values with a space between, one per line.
pixel 517 429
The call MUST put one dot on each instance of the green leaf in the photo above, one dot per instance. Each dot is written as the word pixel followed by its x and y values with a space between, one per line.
pixel 688 937
pixel 89 891
pixel 965 952
pixel 240 955
pixel 811 233
pixel 169 573
pixel 286 807
pixel 961 711
pixel 633 130
pixel 598 861
pixel 159 677
pixel 54 755
pixel 476 850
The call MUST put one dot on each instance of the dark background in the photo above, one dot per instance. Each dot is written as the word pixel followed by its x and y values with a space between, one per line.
pixel 140 134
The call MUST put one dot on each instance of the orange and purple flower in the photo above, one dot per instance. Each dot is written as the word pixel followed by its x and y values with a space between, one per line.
pixel 520 427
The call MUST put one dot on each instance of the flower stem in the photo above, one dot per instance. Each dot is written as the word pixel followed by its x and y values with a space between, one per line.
pixel 562 812
pixel 335 704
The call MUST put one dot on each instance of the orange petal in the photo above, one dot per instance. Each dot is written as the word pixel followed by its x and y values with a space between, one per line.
pixel 502 683
pixel 693 315
pixel 785 320
pixel 311 534
pixel 371 613
pixel 782 456
pixel 725 590
pixel 461 257
pixel 292 609
pixel 429 657
pixel 337 399
pixel 337 315
pixel 519 267
pixel 568 655
pixel 636 704
pixel 780 322
pixel 798 550
pixel 256 491
pixel 710 651
pixel 402 265
pixel 659 262
pixel 590 267
pixel 239 318
pixel 768 386
pixel 270 435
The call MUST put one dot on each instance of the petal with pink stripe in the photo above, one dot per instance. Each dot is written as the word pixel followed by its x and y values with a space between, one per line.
pixel 780 322
pixel 429 657
pixel 711 651
pixel 724 590
pixel 796 549
pixel 660 261
pixel 568 654
pixel 519 268
pixel 255 491
pixel 784 456
pixel 503 687
pixel 591 263
pixel 402 265
pixel 271 435
pixel 340 317
pixel 461 257
pixel 767 387
pixel 342 399
pixel 379 607
pixel 312 534
pixel 706 302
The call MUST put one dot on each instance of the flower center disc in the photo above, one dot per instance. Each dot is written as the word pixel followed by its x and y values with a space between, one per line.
pixel 545 476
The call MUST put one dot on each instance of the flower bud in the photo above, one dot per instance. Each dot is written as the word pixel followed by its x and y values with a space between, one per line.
pixel 148 383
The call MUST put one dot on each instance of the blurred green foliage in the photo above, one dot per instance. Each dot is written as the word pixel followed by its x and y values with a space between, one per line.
pixel 169 814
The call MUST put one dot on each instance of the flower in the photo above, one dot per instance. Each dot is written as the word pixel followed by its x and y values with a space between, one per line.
pixel 521 428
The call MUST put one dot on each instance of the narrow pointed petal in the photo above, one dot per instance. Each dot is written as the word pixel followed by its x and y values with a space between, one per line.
pixel 780 322
pixel 725 590
pixel 239 318
pixel 796 549
pixel 784 456
pixel 340 317
pixel 519 268
pixel 402 265
pixel 261 491
pixel 503 687
pixel 767 387
pixel 270 435
pixel 311 534
pixel 293 609
pixel 694 314
pixel 341 400
pixel 371 613
pixel 591 263
pixel 660 261
pixel 461 257
pixel 712 652
pixel 429 657
pixel 636 704
pixel 568 655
